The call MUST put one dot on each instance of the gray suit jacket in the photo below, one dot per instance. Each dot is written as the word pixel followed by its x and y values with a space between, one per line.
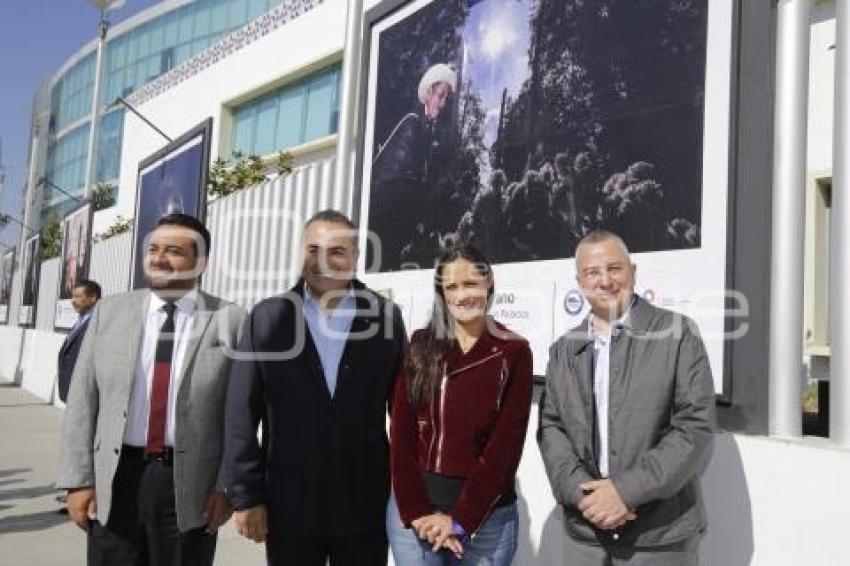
pixel 96 412
pixel 661 420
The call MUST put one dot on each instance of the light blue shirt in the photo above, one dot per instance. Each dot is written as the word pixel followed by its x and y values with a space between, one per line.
pixel 329 330
pixel 601 387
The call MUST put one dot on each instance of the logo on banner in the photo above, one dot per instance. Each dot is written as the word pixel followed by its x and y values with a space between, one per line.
pixel 573 302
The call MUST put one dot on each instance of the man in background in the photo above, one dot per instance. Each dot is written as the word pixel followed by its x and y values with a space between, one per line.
pixel 84 297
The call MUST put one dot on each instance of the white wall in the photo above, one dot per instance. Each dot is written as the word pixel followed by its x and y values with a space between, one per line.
pixel 769 502
pixel 821 87
pixel 37 366
pixel 11 342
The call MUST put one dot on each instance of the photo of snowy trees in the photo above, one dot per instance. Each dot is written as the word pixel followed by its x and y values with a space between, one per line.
pixel 558 117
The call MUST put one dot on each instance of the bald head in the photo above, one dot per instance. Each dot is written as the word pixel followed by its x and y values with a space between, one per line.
pixel 605 273
pixel 599 236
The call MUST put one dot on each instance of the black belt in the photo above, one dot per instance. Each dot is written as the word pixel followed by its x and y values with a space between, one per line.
pixel 166 457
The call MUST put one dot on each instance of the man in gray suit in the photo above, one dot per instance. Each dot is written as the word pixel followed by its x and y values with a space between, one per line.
pixel 626 421
pixel 143 430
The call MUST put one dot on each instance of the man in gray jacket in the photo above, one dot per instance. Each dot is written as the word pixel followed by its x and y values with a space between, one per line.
pixel 626 421
pixel 143 431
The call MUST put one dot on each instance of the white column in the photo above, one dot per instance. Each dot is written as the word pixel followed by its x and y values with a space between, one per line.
pixel 839 256
pixel 788 217
pixel 348 98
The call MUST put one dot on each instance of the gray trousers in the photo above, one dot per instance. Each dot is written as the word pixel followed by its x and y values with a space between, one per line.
pixel 583 554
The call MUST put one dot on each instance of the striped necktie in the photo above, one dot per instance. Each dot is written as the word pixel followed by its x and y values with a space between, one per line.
pixel 161 382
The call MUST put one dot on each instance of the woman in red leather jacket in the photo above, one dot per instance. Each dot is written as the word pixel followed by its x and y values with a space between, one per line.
pixel 459 417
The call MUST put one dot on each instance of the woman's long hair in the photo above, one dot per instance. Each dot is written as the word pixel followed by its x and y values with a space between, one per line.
pixel 424 363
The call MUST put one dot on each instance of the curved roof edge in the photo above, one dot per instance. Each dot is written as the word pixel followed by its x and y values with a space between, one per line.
pixel 226 46
pixel 116 30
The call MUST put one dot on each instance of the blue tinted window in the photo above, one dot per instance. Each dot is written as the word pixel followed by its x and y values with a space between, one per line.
pixel 243 129
pixel 220 17
pixel 66 163
pixel 264 138
pixel 110 132
pixel 321 107
pixel 145 52
pixel 131 60
pixel 290 112
pixel 72 94
pixel 292 115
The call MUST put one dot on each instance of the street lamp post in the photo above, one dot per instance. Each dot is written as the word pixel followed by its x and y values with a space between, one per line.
pixel 91 162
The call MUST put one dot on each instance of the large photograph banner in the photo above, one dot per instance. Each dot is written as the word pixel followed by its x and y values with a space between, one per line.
pixel 31 272
pixel 520 125
pixel 174 179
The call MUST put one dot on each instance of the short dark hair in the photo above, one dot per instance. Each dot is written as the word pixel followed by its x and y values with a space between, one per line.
pixel 91 287
pixel 331 215
pixel 186 221
pixel 335 216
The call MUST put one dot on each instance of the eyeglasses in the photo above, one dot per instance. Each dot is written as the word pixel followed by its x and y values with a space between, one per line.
pixel 595 272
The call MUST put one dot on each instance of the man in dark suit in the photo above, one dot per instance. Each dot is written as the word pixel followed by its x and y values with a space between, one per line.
pixel 142 435
pixel 316 366
pixel 84 297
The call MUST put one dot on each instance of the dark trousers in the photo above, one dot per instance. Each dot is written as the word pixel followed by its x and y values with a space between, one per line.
pixel 353 550
pixel 142 527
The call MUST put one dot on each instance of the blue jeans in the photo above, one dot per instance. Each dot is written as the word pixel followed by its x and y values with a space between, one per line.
pixel 494 544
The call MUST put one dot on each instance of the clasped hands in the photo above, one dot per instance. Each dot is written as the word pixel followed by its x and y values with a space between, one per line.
pixel 437 530
pixel 603 506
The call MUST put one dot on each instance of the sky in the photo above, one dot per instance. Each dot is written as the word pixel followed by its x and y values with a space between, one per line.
pixel 36 37
pixel 496 37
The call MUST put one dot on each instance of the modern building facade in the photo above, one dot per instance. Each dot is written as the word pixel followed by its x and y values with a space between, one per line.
pixel 137 51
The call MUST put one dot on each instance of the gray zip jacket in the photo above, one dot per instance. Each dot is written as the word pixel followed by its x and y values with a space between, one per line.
pixel 661 420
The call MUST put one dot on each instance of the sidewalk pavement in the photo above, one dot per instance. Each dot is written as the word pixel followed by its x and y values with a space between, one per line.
pixel 32 531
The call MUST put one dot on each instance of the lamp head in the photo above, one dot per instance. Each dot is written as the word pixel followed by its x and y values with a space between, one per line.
pixel 107 5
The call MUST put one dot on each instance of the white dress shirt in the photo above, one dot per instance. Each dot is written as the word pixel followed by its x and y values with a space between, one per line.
pixel 601 387
pixel 136 431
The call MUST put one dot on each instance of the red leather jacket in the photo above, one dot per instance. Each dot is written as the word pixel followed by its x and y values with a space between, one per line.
pixel 474 428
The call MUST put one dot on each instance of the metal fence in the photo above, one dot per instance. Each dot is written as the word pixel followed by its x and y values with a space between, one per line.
pixel 110 263
pixel 256 232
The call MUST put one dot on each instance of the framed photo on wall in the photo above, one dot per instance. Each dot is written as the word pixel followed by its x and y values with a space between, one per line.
pixel 75 261
pixel 7 269
pixel 31 274
pixel 174 179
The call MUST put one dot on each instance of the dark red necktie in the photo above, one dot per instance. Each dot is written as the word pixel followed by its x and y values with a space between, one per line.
pixel 161 378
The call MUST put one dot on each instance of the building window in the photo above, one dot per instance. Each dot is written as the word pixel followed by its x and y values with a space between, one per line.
pixel 142 54
pixel 72 95
pixel 110 133
pixel 292 115
pixel 66 164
